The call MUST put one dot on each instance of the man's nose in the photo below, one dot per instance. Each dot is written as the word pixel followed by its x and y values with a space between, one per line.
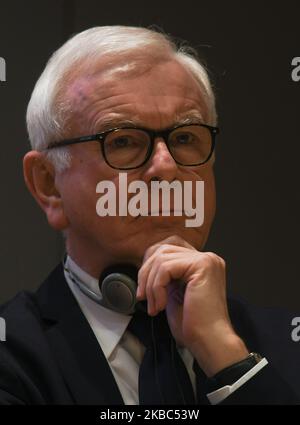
pixel 161 163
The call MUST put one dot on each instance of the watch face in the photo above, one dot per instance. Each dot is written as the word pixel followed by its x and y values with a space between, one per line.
pixel 256 356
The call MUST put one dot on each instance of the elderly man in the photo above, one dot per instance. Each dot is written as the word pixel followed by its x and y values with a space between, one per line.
pixel 137 313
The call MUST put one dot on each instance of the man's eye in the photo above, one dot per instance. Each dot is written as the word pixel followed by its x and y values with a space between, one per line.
pixel 121 142
pixel 183 139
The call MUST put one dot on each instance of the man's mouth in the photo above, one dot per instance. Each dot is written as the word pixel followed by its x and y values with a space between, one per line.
pixel 165 212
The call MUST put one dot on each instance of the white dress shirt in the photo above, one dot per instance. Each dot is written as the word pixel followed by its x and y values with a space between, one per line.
pixel 122 350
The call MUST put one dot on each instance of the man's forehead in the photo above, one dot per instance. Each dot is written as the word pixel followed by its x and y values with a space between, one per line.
pixel 101 81
pixel 135 100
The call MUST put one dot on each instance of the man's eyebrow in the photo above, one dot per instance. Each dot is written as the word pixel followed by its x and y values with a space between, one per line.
pixel 194 118
pixel 109 123
pixel 189 117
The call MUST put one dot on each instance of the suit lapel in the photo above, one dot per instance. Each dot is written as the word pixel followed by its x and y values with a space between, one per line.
pixel 82 363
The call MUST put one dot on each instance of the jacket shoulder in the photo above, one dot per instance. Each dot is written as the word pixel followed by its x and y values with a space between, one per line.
pixel 28 370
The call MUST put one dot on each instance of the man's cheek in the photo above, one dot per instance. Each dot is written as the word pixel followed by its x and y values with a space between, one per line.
pixel 79 201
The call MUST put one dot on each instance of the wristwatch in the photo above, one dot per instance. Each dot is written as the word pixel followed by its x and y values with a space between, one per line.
pixel 233 373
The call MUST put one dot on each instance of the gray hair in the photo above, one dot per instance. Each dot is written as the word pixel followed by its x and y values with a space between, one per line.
pixel 128 50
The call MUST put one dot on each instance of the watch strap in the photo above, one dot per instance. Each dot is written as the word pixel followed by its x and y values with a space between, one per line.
pixel 232 373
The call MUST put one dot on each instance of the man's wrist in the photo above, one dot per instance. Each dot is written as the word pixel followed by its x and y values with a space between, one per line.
pixel 216 354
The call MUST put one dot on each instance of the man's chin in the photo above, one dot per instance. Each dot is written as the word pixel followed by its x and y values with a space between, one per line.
pixel 156 234
pixel 162 228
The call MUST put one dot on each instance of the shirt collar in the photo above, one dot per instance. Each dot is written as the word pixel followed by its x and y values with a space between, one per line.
pixel 108 326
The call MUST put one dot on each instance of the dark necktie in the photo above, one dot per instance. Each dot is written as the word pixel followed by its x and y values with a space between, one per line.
pixel 163 378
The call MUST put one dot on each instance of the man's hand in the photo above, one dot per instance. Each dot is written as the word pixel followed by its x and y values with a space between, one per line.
pixel 191 286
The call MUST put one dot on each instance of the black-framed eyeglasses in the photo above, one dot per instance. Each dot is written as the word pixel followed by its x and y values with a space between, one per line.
pixel 126 148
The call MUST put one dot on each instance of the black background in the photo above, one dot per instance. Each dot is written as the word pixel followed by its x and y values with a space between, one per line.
pixel 248 47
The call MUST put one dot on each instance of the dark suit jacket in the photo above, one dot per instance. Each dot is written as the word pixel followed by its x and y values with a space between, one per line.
pixel 51 355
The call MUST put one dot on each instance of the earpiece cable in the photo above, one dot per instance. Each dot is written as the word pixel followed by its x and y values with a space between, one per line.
pixel 175 371
pixel 156 362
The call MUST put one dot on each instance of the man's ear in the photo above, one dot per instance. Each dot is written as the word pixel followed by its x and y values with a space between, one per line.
pixel 39 175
